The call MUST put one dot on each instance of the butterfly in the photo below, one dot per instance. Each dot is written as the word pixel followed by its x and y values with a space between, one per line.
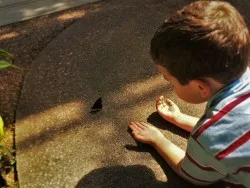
pixel 97 106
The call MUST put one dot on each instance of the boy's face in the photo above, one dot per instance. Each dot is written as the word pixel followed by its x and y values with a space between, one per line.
pixel 190 92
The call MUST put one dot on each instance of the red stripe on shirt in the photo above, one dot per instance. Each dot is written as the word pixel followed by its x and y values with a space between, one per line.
pixel 236 144
pixel 187 174
pixel 206 168
pixel 243 169
pixel 234 185
pixel 219 115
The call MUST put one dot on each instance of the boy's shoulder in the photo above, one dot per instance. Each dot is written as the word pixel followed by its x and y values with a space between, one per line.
pixel 227 140
pixel 224 129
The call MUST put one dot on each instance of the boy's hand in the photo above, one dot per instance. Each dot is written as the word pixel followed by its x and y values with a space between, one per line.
pixel 168 110
pixel 146 133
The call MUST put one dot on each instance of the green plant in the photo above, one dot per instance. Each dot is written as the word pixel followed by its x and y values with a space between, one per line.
pixel 7 159
pixel 1 127
pixel 5 58
pixel 7 155
pixel 7 164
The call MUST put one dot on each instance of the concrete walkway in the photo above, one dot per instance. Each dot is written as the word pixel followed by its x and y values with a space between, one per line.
pixel 18 10
pixel 106 54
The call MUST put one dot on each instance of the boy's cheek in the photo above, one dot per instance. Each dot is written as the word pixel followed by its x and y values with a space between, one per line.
pixel 181 95
pixel 189 97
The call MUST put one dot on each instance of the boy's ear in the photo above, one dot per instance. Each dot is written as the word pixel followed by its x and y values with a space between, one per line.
pixel 203 87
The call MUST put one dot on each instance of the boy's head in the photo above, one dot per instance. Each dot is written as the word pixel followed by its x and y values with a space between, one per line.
pixel 206 39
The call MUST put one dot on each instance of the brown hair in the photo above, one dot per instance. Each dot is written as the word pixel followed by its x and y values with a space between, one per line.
pixel 204 39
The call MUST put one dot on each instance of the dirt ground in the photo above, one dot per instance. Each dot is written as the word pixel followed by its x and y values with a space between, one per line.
pixel 25 40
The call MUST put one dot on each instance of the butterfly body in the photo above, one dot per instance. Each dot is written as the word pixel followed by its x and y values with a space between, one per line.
pixel 97 106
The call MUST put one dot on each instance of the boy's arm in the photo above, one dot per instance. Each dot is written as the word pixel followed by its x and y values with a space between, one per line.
pixel 169 111
pixel 186 122
pixel 174 156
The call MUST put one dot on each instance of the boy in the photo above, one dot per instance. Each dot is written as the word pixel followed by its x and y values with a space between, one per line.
pixel 203 51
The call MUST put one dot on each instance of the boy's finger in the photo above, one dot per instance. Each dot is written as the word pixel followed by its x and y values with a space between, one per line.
pixel 160 101
pixel 140 125
pixel 169 102
pixel 157 104
pixel 134 133
pixel 145 124
pixel 132 126
pixel 160 106
pixel 135 126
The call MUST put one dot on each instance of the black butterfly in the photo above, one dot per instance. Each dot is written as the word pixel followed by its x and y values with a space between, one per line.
pixel 97 106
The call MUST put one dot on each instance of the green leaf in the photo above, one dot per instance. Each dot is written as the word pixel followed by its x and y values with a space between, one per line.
pixel 11 150
pixel 4 64
pixel 1 127
pixel 6 54
pixel 12 162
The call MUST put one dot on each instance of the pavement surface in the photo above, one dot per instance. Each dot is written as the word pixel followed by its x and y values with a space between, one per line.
pixel 59 142
pixel 18 10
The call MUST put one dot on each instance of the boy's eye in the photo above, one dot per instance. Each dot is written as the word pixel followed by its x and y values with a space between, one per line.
pixel 167 80
pixel 171 84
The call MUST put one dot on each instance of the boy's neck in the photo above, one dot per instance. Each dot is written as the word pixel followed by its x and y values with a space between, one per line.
pixel 217 86
pixel 214 85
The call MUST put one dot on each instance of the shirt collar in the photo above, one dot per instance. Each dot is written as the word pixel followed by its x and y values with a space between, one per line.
pixel 229 89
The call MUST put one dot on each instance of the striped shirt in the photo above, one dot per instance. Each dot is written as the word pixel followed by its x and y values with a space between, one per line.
pixel 219 145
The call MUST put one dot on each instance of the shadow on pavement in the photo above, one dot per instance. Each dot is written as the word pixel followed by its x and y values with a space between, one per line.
pixel 121 176
pixel 133 176
pixel 159 122
pixel 173 179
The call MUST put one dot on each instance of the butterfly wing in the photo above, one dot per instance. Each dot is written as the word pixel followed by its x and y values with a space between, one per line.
pixel 97 105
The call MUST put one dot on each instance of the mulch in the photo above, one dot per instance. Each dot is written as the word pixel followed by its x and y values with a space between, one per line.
pixel 25 40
